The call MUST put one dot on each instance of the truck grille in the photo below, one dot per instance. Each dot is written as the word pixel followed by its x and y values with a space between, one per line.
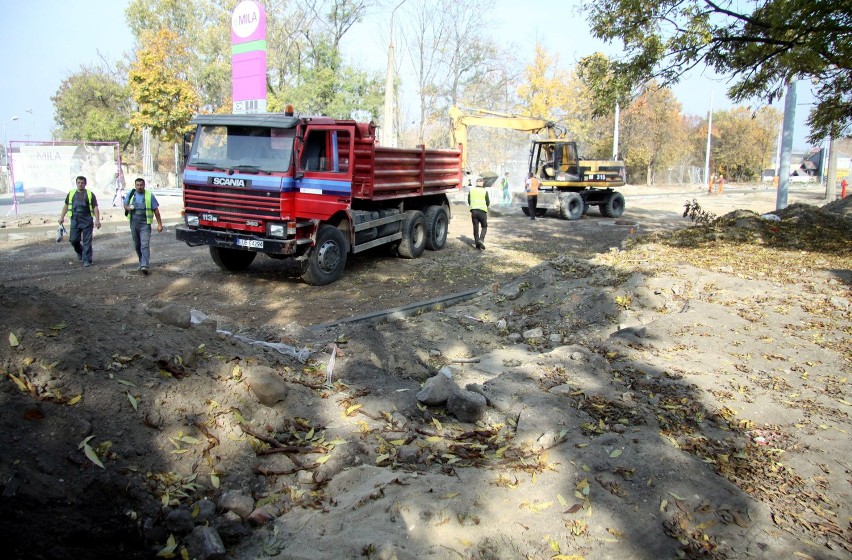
pixel 232 205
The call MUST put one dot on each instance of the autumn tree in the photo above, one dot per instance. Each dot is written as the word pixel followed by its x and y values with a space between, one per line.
pixel 743 144
pixel 93 104
pixel 165 99
pixel 761 45
pixel 653 133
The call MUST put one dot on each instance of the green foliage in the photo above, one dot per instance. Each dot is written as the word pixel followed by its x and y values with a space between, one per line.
pixel 92 105
pixel 762 49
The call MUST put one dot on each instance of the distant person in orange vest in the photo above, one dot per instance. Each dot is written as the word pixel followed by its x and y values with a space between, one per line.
pixel 710 183
pixel 721 184
pixel 843 184
pixel 532 185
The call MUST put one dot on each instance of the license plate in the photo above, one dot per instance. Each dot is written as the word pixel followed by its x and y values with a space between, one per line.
pixel 250 243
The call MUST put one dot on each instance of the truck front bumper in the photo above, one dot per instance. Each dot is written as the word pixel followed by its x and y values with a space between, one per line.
pixel 229 240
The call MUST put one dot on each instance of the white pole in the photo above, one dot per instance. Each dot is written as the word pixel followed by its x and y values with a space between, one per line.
pixel 709 131
pixel 786 146
pixel 388 136
pixel 615 136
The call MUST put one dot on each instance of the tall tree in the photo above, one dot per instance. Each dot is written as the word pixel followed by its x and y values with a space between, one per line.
pixel 761 45
pixel 158 81
pixel 654 133
pixel 93 104
pixel 425 31
pixel 744 144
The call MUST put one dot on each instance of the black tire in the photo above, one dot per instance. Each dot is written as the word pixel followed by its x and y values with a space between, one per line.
pixel 437 226
pixel 586 207
pixel 231 260
pixel 539 212
pixel 571 206
pixel 413 241
pixel 525 210
pixel 613 206
pixel 327 259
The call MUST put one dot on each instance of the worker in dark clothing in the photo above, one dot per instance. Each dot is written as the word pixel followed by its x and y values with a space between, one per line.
pixel 479 202
pixel 81 207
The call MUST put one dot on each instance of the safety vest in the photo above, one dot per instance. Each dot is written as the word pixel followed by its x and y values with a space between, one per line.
pixel 70 200
pixel 532 187
pixel 477 199
pixel 149 212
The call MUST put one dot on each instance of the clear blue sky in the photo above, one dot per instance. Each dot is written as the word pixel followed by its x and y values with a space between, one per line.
pixel 43 41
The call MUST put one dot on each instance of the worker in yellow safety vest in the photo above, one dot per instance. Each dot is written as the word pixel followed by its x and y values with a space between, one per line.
pixel 141 207
pixel 479 202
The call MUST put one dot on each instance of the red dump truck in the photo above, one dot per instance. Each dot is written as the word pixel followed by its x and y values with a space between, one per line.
pixel 313 189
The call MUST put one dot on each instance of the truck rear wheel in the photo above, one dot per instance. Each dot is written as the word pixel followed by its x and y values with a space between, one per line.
pixel 232 260
pixel 327 259
pixel 613 206
pixel 570 206
pixel 437 225
pixel 413 241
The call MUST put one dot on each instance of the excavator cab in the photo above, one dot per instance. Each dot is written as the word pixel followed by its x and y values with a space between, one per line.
pixel 554 160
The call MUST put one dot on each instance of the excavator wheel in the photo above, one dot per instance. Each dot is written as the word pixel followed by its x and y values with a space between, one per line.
pixel 571 206
pixel 613 206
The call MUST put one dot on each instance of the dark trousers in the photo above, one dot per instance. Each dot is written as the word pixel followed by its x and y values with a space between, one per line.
pixel 532 201
pixel 479 218
pixel 80 236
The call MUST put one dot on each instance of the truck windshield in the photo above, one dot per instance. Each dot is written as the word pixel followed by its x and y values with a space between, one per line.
pixel 250 147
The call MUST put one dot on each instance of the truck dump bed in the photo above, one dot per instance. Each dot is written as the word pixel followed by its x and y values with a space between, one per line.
pixel 383 173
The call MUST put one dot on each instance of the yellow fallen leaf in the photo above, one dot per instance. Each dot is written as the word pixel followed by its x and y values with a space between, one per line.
pixel 438 425
pixel 309 435
pixel 382 458
pixel 562 501
pixel 615 453
pixel 450 495
pixel 168 551
pixel 397 442
pixel 93 457
pixel 323 459
pixel 353 408
pixel 190 440
pixel 13 340
pixel 133 402
pixel 214 480
pixel 433 439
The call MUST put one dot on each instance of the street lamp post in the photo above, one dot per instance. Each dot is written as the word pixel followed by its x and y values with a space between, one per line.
pixel 32 123
pixel 388 135
pixel 14 207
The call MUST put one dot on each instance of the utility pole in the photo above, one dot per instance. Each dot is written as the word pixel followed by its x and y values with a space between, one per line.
pixel 615 135
pixel 786 146
pixel 830 184
pixel 709 131
pixel 388 134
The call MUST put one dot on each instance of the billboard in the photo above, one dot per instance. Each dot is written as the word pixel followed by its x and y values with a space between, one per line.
pixel 50 167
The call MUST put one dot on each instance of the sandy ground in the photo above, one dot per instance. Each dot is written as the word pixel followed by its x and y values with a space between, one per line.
pixel 632 388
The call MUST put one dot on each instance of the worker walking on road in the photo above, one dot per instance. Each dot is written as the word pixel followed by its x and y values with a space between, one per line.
pixel 504 183
pixel 81 207
pixel 141 208
pixel 479 201
pixel 532 185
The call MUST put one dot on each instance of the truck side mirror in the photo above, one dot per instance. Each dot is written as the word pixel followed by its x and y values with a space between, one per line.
pixel 188 137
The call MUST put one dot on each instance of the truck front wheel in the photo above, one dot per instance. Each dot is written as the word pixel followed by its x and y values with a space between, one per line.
pixel 613 206
pixel 327 259
pixel 437 225
pixel 413 241
pixel 232 260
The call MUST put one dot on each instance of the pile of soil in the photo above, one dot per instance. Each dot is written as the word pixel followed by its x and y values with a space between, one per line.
pixel 638 388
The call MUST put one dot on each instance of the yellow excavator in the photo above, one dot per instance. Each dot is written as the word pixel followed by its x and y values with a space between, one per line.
pixel 569 183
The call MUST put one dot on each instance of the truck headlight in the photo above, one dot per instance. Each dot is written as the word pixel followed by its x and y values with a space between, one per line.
pixel 277 230
pixel 192 220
